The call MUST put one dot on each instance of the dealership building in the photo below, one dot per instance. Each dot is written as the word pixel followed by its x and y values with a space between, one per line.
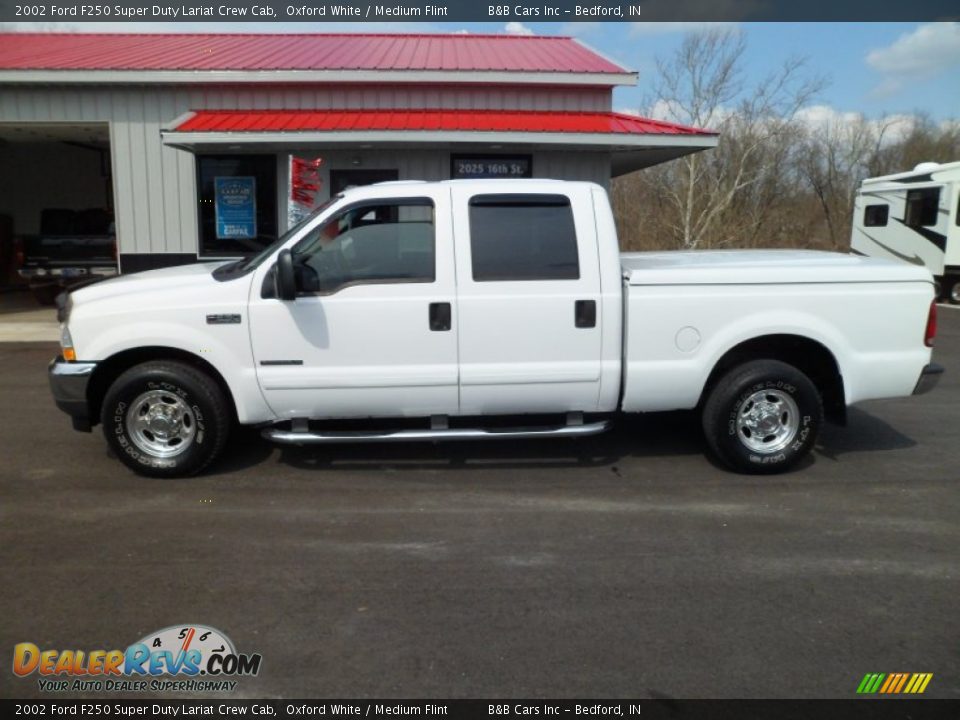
pixel 210 146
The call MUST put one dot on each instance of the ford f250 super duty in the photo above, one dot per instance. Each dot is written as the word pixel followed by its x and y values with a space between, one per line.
pixel 483 309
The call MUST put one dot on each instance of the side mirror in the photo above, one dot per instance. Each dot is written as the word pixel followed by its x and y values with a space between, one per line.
pixel 285 278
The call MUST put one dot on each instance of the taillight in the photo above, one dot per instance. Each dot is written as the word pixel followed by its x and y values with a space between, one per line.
pixel 931 331
pixel 18 256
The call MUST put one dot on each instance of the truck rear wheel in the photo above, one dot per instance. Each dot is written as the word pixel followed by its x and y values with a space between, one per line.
pixel 762 417
pixel 165 419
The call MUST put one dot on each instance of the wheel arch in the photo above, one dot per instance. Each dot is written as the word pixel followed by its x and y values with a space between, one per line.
pixel 110 369
pixel 809 356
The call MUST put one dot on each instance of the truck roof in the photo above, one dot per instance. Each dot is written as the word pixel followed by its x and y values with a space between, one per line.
pixel 489 184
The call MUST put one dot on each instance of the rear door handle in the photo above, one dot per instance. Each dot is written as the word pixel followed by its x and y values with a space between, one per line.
pixel 440 316
pixel 585 313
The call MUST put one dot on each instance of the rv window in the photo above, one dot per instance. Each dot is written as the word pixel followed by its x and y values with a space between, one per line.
pixel 876 215
pixel 922 206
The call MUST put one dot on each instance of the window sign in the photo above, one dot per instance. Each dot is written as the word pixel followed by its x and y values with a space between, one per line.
pixel 235 204
pixel 490 166
pixel 305 185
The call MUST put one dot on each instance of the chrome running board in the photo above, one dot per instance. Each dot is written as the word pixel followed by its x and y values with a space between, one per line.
pixel 305 437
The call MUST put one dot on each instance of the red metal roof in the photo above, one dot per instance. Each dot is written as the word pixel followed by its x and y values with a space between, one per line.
pixel 220 121
pixel 508 53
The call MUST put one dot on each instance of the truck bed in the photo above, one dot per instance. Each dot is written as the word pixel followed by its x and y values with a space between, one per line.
pixel 684 310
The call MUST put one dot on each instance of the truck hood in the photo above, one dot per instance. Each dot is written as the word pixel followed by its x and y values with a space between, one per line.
pixel 761 267
pixel 167 279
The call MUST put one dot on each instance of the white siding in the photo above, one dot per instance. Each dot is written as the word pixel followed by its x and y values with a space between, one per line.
pixel 571 165
pixel 155 186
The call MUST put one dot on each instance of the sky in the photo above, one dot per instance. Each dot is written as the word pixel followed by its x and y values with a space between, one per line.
pixel 874 69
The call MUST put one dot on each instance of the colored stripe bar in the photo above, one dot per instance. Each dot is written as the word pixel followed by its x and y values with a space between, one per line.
pixel 876 683
pixel 891 679
pixel 894 683
pixel 914 683
pixel 865 683
pixel 900 683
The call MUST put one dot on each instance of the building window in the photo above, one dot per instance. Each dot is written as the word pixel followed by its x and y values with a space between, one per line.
pixel 490 166
pixel 237 203
pixel 922 207
pixel 382 241
pixel 876 215
pixel 523 237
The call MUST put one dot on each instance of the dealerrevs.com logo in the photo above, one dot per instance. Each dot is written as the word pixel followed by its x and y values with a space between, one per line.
pixel 177 658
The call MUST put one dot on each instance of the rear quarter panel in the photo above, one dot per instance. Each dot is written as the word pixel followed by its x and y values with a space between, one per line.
pixel 676 334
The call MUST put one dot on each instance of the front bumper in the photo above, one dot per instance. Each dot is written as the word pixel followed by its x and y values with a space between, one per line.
pixel 929 377
pixel 68 383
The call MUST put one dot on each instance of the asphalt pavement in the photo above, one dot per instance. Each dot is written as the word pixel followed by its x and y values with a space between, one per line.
pixel 622 566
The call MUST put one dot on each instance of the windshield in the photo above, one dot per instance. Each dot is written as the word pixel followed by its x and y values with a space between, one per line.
pixel 255 260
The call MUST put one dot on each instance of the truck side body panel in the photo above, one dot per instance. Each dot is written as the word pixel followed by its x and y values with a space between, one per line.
pixel 670 355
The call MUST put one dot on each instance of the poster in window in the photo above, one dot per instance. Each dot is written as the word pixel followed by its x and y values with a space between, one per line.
pixel 235 205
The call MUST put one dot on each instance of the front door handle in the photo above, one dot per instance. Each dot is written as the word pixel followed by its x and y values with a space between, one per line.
pixel 440 316
pixel 585 313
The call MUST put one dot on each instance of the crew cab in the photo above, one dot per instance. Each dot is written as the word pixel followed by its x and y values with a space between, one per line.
pixel 485 309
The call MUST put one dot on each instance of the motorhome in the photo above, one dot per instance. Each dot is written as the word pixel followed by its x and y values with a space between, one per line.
pixel 913 216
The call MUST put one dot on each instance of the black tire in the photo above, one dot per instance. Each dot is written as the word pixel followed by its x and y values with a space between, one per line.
pixel 740 391
pixel 168 384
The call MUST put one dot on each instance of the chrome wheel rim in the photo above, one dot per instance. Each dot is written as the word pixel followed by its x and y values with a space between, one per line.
pixel 161 424
pixel 955 293
pixel 768 421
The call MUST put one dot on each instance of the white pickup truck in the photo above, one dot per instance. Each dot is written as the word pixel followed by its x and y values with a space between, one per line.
pixel 482 309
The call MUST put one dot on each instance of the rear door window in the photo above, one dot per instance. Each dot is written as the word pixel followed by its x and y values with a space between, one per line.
pixel 523 237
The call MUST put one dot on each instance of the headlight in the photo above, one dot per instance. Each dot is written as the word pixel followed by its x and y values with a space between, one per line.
pixel 66 343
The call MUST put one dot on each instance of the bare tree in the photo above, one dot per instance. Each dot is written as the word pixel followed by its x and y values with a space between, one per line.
pixel 782 176
pixel 834 159
pixel 702 84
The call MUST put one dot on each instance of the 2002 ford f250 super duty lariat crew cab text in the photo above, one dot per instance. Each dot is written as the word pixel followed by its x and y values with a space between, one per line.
pixel 486 309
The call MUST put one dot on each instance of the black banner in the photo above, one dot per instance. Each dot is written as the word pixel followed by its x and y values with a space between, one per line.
pixel 433 11
pixel 858 709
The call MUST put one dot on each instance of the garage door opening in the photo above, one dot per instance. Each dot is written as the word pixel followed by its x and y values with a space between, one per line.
pixel 56 206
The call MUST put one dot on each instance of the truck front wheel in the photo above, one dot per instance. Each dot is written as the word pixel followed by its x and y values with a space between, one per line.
pixel 762 417
pixel 165 419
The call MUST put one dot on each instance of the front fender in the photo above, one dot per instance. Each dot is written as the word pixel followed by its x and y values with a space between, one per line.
pixel 225 347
